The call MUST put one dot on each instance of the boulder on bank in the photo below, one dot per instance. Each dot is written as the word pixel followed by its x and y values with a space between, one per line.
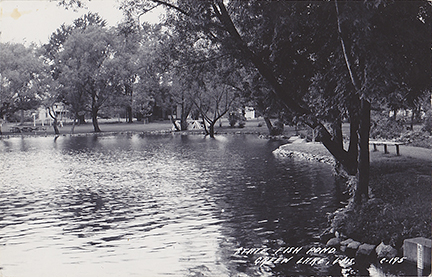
pixel 326 235
pixel 354 245
pixel 346 242
pixel 385 251
pixel 351 248
pixel 365 250
pixel 334 242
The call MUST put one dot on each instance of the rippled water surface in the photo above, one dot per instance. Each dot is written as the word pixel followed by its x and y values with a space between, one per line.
pixel 154 205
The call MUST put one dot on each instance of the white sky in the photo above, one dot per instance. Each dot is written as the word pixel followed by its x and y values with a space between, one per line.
pixel 26 21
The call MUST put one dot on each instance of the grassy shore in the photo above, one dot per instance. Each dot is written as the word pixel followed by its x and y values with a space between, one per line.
pixel 400 191
pixel 255 126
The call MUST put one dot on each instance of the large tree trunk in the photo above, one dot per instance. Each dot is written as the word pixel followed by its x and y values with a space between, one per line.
pixel 129 114
pixel 53 115
pixel 337 151
pixel 337 132
pixel 414 112
pixel 183 124
pixel 73 125
pixel 268 124
pixel 212 129
pixel 185 110
pixel 353 146
pixel 205 125
pixel 173 121
pixel 276 129
pixel 22 117
pixel 361 192
pixel 94 120
pixel 81 119
pixel 55 126
pixel 395 110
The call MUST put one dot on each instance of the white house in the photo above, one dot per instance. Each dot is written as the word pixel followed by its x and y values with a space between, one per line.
pixel 42 116
pixel 249 112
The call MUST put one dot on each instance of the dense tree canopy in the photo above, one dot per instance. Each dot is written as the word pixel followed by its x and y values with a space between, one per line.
pixel 76 99
pixel 22 74
pixel 85 68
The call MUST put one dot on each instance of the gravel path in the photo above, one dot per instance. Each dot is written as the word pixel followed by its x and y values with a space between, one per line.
pixel 405 151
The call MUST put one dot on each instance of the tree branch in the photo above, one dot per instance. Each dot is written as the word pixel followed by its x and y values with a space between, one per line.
pixel 201 61
pixel 171 6
pixel 50 114
pixel 264 70
pixel 347 61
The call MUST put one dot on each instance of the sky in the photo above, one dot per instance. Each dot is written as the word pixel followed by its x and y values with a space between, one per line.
pixel 27 21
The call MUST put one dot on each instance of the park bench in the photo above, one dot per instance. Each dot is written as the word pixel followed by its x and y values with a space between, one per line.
pixel 385 143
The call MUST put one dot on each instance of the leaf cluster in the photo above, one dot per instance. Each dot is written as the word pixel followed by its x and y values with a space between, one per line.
pixel 23 75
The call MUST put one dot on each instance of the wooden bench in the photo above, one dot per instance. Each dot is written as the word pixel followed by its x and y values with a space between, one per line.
pixel 385 143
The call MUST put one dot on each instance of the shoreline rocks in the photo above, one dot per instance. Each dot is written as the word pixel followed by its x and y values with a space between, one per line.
pixel 304 156
pixel 352 248
pixel 385 251
pixel 365 250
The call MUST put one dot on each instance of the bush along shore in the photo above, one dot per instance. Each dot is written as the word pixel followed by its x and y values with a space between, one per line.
pixel 398 209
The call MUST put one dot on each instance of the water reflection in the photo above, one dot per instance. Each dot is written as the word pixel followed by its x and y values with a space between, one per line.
pixel 154 205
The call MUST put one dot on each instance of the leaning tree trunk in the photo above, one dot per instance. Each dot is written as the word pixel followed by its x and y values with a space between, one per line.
pixel 53 115
pixel 94 120
pixel 205 125
pixel 55 126
pixel 173 121
pixel 268 124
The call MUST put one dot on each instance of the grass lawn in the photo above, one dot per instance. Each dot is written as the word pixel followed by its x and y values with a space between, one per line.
pixel 109 126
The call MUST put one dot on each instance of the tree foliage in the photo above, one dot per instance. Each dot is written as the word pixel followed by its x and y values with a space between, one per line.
pixel 84 66
pixel 75 99
pixel 324 60
pixel 216 91
pixel 22 74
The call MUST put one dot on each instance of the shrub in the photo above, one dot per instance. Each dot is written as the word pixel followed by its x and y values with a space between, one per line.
pixel 372 222
pixel 277 129
pixel 417 138
pixel 389 216
pixel 387 128
pixel 427 125
pixel 232 118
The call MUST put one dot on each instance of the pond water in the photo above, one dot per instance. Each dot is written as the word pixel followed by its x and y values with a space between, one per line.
pixel 162 205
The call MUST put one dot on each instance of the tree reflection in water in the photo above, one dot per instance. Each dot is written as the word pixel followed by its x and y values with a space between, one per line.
pixel 154 205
